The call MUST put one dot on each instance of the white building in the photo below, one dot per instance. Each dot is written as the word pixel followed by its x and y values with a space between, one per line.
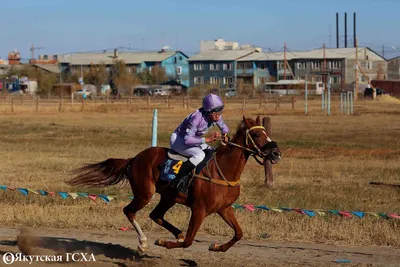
pixel 221 44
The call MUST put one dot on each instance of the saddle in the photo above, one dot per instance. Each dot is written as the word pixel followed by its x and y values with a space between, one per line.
pixel 171 167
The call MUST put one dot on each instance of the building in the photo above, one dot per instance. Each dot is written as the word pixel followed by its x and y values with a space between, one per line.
pixel 394 68
pixel 221 44
pixel 174 62
pixel 257 68
pixel 215 67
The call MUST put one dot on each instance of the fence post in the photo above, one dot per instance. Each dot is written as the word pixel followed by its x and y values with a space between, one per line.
pixel 293 101
pixel 244 103
pixel 277 103
pixel 269 177
pixel 261 99
pixel 183 102
pixel 37 103
pixel 60 106
pixel 188 103
pixel 154 129
pixel 83 104
pixel 12 104
pixel 148 101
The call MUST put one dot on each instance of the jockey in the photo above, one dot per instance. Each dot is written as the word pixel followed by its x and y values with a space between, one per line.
pixel 187 140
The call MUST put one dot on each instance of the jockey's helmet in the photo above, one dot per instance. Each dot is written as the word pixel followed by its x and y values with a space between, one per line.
pixel 212 103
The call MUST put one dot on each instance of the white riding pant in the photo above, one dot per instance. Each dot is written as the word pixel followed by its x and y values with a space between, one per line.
pixel 195 153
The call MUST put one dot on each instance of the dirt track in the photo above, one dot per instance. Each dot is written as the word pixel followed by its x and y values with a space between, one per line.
pixel 117 248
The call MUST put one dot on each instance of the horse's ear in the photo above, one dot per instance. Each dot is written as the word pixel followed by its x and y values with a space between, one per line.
pixel 258 120
pixel 244 118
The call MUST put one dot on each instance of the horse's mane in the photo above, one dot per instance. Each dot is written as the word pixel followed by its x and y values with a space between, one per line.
pixel 239 130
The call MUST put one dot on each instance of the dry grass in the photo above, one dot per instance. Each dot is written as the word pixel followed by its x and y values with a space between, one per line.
pixel 328 163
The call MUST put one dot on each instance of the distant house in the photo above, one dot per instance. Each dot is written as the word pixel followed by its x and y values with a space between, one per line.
pixel 257 68
pixel 215 67
pixel 174 62
pixel 394 68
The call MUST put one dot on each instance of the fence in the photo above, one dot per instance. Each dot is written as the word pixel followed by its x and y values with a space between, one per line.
pixel 267 103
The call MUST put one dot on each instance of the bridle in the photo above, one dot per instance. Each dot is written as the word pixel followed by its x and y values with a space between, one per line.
pixel 253 152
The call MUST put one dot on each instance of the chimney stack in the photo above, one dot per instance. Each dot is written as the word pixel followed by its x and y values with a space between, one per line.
pixel 354 30
pixel 337 30
pixel 345 29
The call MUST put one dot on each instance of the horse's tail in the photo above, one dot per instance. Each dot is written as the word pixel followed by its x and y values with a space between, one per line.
pixel 101 174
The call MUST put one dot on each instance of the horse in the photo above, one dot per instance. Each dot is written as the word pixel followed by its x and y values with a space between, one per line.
pixel 212 190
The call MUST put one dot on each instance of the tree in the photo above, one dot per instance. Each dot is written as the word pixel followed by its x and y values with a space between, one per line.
pixel 97 75
pixel 158 75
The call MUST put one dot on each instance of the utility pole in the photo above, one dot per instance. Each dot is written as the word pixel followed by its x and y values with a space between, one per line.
pixel 356 72
pixel 383 51
pixel 284 61
pixel 324 68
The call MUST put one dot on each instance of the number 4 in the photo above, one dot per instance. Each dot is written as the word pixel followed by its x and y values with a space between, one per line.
pixel 177 167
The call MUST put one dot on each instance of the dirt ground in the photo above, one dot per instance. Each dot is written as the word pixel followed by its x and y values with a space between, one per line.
pixel 118 248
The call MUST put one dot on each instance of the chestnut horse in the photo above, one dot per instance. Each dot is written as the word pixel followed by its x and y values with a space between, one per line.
pixel 213 190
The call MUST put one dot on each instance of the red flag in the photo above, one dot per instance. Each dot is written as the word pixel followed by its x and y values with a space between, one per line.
pixel 345 214
pixel 93 197
pixel 250 207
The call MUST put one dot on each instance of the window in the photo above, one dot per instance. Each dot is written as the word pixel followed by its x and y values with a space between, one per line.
pixel 198 80
pixel 280 65
pixel 240 65
pixel 261 66
pixel 180 57
pixel 228 47
pixel 301 65
pixel 335 64
pixel 214 66
pixel 227 66
pixel 368 65
pixel 214 80
pixel 198 66
pixel 335 80
pixel 179 70
pixel 316 65
pixel 228 80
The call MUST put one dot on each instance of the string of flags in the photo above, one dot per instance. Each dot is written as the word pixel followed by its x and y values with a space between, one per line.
pixel 248 207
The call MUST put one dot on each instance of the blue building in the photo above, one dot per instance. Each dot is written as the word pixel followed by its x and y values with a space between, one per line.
pixel 175 63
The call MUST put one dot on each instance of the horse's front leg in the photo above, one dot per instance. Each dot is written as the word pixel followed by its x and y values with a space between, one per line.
pixel 228 216
pixel 196 220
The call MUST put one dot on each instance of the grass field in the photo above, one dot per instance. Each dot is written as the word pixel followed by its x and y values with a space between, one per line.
pixel 327 164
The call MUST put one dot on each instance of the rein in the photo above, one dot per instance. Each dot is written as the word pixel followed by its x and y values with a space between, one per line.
pixel 254 153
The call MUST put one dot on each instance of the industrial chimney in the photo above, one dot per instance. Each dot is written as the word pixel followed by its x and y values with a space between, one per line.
pixel 345 29
pixel 354 29
pixel 337 30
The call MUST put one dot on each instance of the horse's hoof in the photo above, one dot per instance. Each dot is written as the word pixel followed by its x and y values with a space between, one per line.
pixel 141 250
pixel 213 247
pixel 180 238
pixel 160 242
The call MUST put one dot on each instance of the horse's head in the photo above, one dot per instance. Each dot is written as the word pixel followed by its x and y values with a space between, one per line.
pixel 257 140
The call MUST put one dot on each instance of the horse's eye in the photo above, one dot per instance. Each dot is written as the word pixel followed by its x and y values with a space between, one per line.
pixel 257 135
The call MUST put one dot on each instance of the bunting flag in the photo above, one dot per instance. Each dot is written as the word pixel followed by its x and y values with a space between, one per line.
pixel 64 195
pixel 33 191
pixel 248 207
pixel 73 195
pixel 93 197
pixel 23 191
pixel 359 214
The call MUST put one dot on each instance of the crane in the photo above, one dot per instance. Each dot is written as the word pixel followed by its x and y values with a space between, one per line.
pixel 33 48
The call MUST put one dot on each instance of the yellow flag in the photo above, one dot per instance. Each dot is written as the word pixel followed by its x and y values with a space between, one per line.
pixel 73 195
pixel 33 191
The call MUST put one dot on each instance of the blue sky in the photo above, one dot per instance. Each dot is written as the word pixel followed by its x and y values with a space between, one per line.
pixel 62 26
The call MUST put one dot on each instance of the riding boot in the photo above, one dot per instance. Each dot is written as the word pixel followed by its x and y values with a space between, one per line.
pixel 182 179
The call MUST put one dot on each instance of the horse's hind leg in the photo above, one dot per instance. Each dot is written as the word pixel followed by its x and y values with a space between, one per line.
pixel 228 216
pixel 130 211
pixel 157 215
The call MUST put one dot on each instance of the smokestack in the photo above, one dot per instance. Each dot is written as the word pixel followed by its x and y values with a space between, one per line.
pixel 345 29
pixel 337 30
pixel 354 29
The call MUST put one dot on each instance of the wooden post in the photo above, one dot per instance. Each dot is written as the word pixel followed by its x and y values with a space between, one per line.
pixel 244 103
pixel 293 101
pixel 261 99
pixel 72 98
pixel 60 107
pixel 37 103
pixel 188 103
pixel 356 74
pixel 269 177
pixel 83 104
pixel 277 103
pixel 224 99
pixel 148 101
pixel 184 102
pixel 12 104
